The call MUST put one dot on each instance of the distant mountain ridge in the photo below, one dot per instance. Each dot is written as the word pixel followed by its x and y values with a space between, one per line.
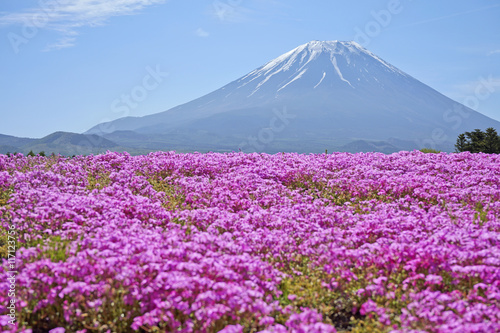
pixel 64 143
pixel 13 141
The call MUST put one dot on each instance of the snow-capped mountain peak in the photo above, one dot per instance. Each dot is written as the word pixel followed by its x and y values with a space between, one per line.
pixel 319 63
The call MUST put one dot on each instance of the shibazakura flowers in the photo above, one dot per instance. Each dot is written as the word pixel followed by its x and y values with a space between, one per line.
pixel 408 242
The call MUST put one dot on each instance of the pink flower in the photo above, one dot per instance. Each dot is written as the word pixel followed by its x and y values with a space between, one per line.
pixel 58 330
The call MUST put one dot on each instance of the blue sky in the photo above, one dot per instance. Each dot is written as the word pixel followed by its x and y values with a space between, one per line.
pixel 70 64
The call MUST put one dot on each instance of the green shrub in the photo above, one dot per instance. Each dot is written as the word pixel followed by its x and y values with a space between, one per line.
pixel 430 151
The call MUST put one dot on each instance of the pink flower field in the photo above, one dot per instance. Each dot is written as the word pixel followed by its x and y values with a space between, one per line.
pixel 408 242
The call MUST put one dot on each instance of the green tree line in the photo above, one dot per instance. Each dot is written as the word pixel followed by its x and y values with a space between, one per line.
pixel 478 141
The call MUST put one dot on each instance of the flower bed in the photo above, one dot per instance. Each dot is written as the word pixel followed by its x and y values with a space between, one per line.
pixel 408 242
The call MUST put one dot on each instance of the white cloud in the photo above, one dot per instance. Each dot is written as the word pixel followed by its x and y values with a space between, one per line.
pixel 483 85
pixel 62 43
pixel 441 18
pixel 476 92
pixel 494 52
pixel 66 16
pixel 201 33
pixel 229 11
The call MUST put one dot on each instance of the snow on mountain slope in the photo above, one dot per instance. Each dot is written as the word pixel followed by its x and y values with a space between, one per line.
pixel 314 55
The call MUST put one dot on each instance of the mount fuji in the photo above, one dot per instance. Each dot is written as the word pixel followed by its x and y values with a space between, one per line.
pixel 321 95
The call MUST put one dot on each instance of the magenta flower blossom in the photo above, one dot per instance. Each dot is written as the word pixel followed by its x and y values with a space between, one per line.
pixel 409 242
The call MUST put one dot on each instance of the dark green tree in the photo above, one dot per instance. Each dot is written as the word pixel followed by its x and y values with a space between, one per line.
pixel 31 153
pixel 478 141
pixel 461 144
pixel 491 141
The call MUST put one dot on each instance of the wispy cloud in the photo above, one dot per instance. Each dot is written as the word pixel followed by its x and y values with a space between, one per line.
pixel 484 85
pixel 244 11
pixel 201 33
pixel 66 17
pixel 494 52
pixel 62 43
pixel 440 18
pixel 229 11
